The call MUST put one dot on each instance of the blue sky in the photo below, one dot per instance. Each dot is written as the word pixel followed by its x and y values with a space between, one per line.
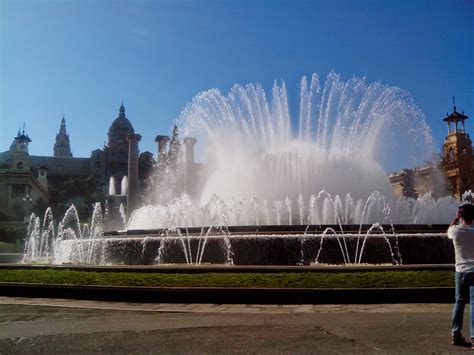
pixel 80 58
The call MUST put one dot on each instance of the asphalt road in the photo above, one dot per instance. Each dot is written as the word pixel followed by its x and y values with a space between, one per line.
pixel 51 326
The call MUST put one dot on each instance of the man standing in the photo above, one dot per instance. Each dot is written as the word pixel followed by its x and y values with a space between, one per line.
pixel 461 231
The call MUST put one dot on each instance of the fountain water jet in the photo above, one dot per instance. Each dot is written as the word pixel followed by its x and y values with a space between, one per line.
pixel 346 132
pixel 124 186
pixel 112 186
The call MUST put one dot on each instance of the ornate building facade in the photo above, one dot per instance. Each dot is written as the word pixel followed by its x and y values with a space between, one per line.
pixel 458 159
pixel 19 187
pixel 25 178
pixel 454 174
pixel 112 159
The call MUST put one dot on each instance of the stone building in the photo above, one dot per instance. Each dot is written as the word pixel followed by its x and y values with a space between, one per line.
pixel 453 174
pixel 24 178
pixel 112 159
pixel 458 159
pixel 19 187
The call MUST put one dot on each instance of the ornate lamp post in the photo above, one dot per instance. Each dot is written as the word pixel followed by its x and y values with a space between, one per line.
pixel 26 200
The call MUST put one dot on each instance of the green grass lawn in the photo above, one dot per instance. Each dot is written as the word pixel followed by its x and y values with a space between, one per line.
pixel 398 278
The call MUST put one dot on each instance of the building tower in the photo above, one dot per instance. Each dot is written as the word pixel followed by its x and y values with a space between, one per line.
pixel 162 148
pixel 174 153
pixel 119 131
pixel 19 189
pixel 458 159
pixel 133 191
pixel 115 155
pixel 62 146
pixel 19 152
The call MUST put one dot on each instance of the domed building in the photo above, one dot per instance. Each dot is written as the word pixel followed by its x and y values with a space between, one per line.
pixel 112 160
pixel 119 129
pixel 25 177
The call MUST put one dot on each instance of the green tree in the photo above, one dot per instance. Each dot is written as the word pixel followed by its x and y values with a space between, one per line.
pixel 83 192
pixel 408 183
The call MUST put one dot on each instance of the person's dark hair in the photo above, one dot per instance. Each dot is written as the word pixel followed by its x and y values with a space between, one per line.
pixel 467 212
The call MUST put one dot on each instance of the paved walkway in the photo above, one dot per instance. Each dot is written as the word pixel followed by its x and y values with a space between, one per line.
pixel 32 325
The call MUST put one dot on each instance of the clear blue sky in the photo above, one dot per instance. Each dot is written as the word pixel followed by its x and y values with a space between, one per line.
pixel 80 58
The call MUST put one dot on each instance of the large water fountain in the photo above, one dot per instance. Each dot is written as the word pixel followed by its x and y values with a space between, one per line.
pixel 266 168
pixel 322 173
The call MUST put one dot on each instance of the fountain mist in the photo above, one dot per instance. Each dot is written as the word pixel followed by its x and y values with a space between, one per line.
pixel 265 167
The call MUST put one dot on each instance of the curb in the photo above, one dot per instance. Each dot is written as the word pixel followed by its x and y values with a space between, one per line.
pixel 202 269
pixel 230 295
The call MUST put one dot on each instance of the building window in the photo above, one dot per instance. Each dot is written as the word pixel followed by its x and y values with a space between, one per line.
pixel 451 154
pixel 18 190
pixel 464 151
pixel 19 166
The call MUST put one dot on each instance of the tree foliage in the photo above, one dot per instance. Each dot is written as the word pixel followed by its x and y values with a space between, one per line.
pixel 83 192
pixel 408 183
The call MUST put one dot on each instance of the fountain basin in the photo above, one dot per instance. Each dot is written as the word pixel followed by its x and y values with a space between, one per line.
pixel 243 245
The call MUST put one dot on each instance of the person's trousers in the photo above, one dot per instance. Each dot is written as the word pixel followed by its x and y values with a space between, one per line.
pixel 464 280
pixel 471 291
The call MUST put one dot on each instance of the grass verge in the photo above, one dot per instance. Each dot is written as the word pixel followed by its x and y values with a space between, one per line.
pixel 363 279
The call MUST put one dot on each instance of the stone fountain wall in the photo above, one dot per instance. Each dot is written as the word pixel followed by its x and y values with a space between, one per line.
pixel 264 250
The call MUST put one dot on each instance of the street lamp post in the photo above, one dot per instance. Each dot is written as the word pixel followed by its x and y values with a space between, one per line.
pixel 26 200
